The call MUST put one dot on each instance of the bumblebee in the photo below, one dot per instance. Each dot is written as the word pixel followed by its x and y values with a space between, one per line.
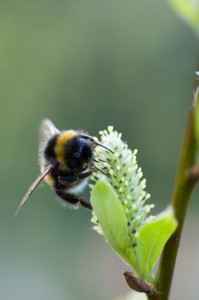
pixel 67 160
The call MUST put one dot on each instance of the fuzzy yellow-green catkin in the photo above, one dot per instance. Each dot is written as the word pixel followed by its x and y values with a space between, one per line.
pixel 127 180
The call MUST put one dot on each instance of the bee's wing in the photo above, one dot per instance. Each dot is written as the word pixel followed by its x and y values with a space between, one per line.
pixel 34 185
pixel 47 130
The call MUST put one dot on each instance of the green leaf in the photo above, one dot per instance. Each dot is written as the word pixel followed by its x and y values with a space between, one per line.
pixel 151 240
pixel 189 10
pixel 110 214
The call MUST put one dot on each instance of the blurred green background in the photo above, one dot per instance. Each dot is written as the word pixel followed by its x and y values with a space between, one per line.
pixel 88 64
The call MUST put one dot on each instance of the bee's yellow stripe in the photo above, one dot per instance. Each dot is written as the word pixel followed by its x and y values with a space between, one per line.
pixel 62 140
pixel 50 180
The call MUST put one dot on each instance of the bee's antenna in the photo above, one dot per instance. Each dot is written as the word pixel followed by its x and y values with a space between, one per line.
pixel 97 160
pixel 98 144
pixel 101 171
pixel 87 137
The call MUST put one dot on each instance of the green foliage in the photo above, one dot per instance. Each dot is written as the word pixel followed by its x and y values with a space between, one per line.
pixel 111 216
pixel 189 10
pixel 151 240
pixel 151 237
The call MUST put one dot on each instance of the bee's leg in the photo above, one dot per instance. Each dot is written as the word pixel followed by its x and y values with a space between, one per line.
pixel 85 204
pixel 73 199
pixel 86 174
pixel 70 179
pixel 63 180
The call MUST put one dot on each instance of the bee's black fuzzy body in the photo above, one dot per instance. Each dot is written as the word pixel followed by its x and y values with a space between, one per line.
pixel 71 153
pixel 66 160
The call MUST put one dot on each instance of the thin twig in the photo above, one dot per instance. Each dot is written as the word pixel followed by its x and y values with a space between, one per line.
pixel 182 192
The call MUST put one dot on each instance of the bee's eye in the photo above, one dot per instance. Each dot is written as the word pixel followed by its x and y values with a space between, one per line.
pixel 82 145
pixel 78 152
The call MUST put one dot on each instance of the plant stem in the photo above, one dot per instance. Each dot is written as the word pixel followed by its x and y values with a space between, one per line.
pixel 182 192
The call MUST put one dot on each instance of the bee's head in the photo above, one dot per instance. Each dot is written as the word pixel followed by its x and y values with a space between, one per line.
pixel 79 153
